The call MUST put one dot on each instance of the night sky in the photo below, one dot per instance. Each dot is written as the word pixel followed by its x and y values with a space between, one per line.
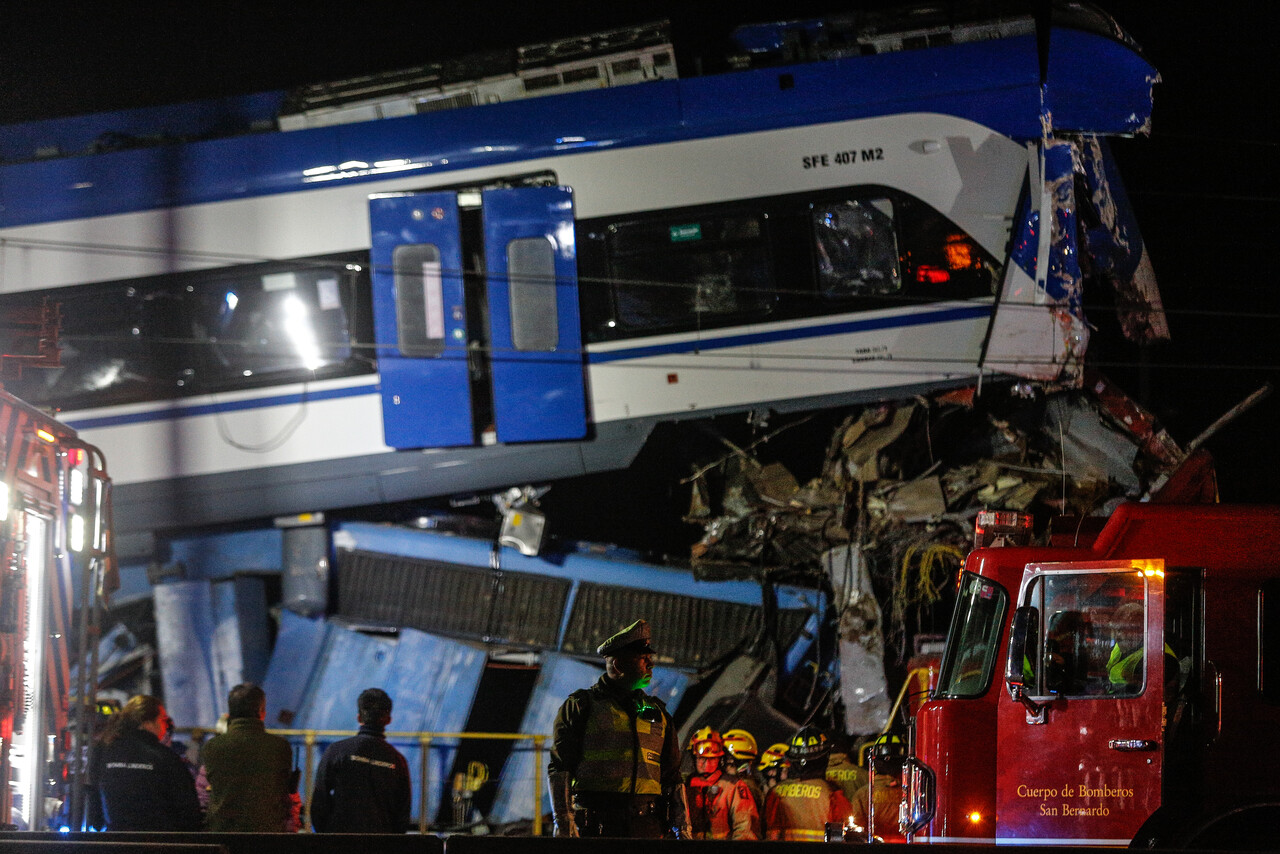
pixel 1204 184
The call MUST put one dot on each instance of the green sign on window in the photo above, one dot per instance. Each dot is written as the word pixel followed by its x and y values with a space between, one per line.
pixel 679 233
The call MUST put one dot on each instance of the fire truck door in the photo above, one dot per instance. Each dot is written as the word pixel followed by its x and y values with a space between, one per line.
pixel 1080 761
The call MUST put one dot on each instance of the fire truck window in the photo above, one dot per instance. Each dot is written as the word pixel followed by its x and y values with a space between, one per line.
pixel 974 639
pixel 1094 633
pixel 1269 640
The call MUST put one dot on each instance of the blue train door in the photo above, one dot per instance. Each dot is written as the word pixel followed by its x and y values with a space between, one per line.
pixel 476 317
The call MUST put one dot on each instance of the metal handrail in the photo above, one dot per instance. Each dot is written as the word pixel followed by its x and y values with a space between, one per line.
pixel 424 740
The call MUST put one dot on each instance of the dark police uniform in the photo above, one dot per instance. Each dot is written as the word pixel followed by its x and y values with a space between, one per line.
pixel 620 752
pixel 145 786
pixel 362 786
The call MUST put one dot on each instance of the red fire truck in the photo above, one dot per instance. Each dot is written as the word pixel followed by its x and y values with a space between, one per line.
pixel 54 524
pixel 1122 689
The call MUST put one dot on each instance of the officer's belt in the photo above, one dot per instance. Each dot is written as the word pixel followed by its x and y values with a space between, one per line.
pixel 613 804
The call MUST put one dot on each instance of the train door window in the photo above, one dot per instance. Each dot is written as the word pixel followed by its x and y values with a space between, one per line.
pixel 419 289
pixel 531 271
pixel 1269 640
pixel 857 248
pixel 1094 631
pixel 690 272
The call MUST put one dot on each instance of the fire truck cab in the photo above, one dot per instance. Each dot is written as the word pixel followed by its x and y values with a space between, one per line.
pixel 1110 692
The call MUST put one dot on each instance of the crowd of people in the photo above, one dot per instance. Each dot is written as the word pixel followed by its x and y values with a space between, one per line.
pixel 245 780
pixel 614 771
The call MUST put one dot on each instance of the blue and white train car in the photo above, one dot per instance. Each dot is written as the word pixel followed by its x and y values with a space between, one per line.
pixel 451 301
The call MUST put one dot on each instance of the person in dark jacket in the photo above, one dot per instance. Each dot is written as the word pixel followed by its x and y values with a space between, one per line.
pixel 362 784
pixel 615 765
pixel 249 770
pixel 143 784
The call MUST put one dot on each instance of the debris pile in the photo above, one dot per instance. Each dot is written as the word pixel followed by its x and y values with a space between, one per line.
pixel 887 523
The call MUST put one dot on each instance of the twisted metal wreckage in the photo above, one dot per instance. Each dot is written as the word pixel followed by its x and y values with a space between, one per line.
pixel 888 521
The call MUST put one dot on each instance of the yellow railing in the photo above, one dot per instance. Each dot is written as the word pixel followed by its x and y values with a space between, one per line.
pixel 424 739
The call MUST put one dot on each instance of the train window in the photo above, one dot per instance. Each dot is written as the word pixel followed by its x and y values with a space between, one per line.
pixel 268 323
pixel 419 300
pixel 942 261
pixel 531 283
pixel 215 330
pixel 108 352
pixel 857 248
pixel 689 272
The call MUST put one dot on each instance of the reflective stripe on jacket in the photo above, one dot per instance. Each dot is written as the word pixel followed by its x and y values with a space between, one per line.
pixel 798 810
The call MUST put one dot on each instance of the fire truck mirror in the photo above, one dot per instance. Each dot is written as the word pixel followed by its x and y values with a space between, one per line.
pixel 1021 669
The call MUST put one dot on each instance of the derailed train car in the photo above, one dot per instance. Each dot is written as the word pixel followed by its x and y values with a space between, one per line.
pixel 391 300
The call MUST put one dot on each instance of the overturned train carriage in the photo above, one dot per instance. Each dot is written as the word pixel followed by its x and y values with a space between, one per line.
pixel 464 635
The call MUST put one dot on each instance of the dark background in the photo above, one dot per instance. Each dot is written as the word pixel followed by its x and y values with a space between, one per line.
pixel 1204 183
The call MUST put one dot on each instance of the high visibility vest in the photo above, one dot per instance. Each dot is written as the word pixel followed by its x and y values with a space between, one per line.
pixel 621 751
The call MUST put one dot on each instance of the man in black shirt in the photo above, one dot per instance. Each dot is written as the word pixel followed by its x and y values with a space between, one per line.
pixel 362 784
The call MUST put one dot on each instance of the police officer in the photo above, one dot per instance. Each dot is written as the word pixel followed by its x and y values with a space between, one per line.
pixel 615 762
pixel 801 807
pixel 143 784
pixel 720 806
pixel 362 784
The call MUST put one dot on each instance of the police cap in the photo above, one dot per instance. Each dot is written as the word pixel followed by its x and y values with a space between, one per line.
pixel 634 638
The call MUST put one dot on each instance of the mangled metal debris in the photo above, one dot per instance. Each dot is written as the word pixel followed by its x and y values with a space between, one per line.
pixel 886 524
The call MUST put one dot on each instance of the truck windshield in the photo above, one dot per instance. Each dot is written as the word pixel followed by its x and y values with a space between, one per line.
pixel 974 639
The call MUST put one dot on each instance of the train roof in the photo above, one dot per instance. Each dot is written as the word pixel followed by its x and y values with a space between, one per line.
pixel 1092 81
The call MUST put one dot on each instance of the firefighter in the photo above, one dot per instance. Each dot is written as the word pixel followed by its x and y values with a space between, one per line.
pixel 846 772
pixel 884 791
pixel 742 750
pixel 615 762
pixel 773 766
pixel 720 806
pixel 802 807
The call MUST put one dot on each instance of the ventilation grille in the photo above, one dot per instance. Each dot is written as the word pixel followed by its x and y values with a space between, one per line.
pixel 687 631
pixel 521 609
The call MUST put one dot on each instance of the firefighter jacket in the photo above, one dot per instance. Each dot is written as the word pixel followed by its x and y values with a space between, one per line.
pixel 250 779
pixel 847 775
pixel 145 786
pixel 722 807
pixel 610 740
pixel 362 786
pixel 887 797
pixel 799 810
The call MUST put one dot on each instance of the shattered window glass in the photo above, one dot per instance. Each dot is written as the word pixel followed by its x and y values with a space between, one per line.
pixel 974 639
pixel 689 272
pixel 857 248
